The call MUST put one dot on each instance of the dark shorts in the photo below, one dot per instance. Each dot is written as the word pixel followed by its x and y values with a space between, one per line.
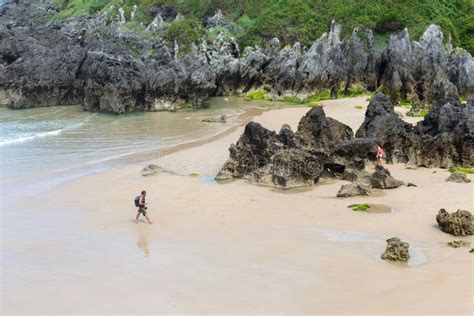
pixel 142 209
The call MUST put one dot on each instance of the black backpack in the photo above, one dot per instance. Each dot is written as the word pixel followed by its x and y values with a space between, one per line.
pixel 137 201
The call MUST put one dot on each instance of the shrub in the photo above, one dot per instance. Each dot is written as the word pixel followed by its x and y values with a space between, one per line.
pixel 257 95
pixel 319 96
pixel 356 90
pixel 293 100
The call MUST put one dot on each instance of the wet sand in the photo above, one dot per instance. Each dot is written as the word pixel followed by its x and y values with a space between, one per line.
pixel 235 247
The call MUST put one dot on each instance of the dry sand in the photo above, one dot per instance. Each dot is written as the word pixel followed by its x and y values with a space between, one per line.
pixel 240 248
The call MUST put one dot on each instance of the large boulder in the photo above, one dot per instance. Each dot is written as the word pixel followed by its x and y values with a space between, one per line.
pixel 286 159
pixel 381 179
pixel 396 250
pixel 384 126
pixel 458 178
pixel 445 137
pixel 316 131
pixel 458 223
pixel 353 189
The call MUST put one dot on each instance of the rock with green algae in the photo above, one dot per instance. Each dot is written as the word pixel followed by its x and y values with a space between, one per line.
pixel 456 243
pixel 396 251
pixel 458 223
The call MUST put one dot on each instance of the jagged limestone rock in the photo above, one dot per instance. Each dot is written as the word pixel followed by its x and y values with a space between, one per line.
pixel 396 250
pixel 353 189
pixel 458 178
pixel 458 223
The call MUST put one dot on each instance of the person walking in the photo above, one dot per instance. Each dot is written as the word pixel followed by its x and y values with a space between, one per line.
pixel 142 209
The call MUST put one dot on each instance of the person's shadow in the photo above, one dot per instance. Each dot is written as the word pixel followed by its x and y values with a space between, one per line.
pixel 143 244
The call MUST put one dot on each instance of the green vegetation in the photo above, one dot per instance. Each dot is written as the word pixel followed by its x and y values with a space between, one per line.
pixel 299 20
pixel 456 243
pixel 209 120
pixel 257 95
pixel 359 207
pixel 319 96
pixel 465 170
pixel 355 90
pixel 423 112
pixel 472 250
pixel 194 174
pixel 185 106
pixel 185 32
pixel 407 104
pixel 295 100
pixel 358 107
pixel 315 105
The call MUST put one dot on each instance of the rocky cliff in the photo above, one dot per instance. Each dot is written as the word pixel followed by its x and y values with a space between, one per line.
pixel 96 62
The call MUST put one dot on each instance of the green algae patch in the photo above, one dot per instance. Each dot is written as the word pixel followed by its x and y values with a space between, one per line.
pixel 315 105
pixel 359 207
pixel 464 170
pixel 258 95
pixel 456 243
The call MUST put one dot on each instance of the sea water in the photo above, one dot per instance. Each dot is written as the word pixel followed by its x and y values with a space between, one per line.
pixel 56 144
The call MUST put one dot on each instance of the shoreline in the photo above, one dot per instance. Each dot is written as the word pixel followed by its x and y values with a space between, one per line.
pixel 248 248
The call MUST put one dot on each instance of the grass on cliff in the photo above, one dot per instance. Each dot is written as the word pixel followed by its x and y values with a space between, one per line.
pixel 303 20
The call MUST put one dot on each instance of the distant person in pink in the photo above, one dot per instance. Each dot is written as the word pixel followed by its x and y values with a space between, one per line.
pixel 380 154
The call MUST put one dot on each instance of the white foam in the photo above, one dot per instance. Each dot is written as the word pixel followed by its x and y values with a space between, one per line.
pixel 23 139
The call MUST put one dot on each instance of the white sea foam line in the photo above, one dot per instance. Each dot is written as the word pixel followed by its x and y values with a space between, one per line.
pixel 44 134
pixel 27 138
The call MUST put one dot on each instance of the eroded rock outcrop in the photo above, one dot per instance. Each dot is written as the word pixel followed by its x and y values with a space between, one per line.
pixel 396 250
pixel 458 223
pixel 353 189
pixel 98 63
pixel 286 159
pixel 458 178
pixel 324 147
pixel 444 138
pixel 381 179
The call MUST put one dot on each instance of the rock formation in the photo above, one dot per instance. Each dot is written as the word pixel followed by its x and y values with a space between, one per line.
pixel 381 179
pixel 458 223
pixel 98 63
pixel 150 170
pixel 349 190
pixel 287 159
pixel 444 138
pixel 324 147
pixel 396 250
pixel 458 178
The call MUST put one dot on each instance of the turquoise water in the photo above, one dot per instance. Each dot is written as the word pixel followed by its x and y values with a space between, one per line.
pixel 61 143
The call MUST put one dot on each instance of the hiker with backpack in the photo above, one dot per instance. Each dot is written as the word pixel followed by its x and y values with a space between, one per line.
pixel 141 204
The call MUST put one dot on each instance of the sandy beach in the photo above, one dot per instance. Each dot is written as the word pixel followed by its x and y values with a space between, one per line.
pixel 236 247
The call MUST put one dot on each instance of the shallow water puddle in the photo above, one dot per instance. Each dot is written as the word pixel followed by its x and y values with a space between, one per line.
pixel 380 208
pixel 417 256
pixel 208 180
